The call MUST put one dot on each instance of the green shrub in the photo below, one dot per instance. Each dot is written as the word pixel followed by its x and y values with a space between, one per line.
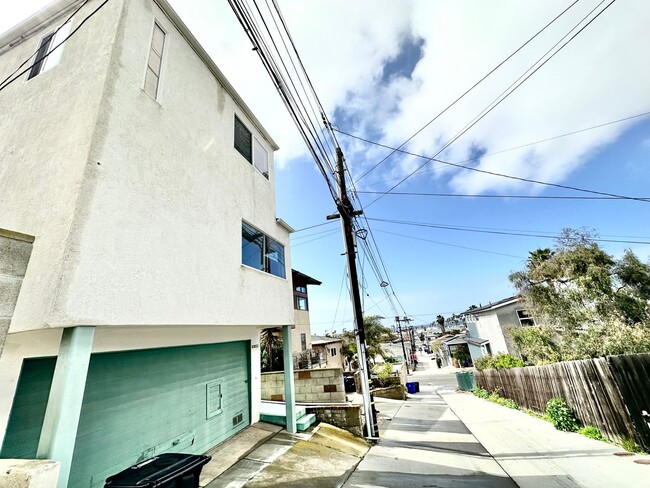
pixel 481 393
pixel 561 415
pixel 507 361
pixel 630 445
pixel 500 361
pixel 591 432
pixel 495 398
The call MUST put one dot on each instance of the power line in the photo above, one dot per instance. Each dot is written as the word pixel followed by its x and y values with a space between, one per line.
pixel 494 231
pixel 494 153
pixel 53 36
pixel 478 195
pixel 6 83
pixel 471 88
pixel 504 95
pixel 451 245
pixel 492 173
pixel 314 226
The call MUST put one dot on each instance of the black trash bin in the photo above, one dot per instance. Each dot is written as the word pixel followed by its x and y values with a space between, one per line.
pixel 349 384
pixel 170 470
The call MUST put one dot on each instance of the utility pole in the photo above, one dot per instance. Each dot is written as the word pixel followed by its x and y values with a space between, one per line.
pixel 347 212
pixel 401 338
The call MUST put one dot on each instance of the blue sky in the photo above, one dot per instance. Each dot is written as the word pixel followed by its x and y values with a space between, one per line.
pixel 384 79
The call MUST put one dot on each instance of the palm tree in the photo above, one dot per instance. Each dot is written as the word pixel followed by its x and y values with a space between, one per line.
pixel 440 320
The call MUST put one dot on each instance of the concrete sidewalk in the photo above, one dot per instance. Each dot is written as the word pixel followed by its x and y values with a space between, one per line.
pixel 534 454
pixel 424 444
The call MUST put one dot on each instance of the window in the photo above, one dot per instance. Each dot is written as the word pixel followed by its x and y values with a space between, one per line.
pixel 46 58
pixel 261 252
pixel 303 342
pixel 301 289
pixel 154 63
pixel 249 147
pixel 301 303
pixel 333 352
pixel 525 319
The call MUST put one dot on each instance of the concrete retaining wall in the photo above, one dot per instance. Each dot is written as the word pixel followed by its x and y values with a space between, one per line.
pixel 348 417
pixel 393 392
pixel 312 386
pixel 28 473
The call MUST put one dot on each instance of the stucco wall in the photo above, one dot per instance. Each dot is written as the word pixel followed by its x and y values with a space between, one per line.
pixel 46 125
pixel 495 326
pixel 14 257
pixel 302 326
pixel 312 386
pixel 159 240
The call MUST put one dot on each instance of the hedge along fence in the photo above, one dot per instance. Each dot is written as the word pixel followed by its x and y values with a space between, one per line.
pixel 609 393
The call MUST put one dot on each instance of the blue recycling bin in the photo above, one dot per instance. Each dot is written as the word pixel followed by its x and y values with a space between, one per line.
pixel 411 388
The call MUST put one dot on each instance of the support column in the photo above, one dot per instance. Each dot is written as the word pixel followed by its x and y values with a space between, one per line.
pixel 66 395
pixel 289 385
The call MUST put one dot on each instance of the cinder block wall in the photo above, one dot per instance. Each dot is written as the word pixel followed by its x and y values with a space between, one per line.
pixel 348 417
pixel 312 386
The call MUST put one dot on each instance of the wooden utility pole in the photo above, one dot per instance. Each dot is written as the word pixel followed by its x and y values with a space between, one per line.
pixel 401 338
pixel 347 212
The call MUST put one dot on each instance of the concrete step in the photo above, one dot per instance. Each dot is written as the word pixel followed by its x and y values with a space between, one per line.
pixel 275 413
pixel 305 421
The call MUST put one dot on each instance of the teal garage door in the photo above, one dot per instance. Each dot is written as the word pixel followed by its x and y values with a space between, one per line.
pixel 138 404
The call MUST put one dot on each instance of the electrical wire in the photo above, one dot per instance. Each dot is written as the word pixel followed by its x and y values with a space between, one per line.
pixel 53 36
pixel 451 245
pixel 478 195
pixel 521 80
pixel 471 88
pixel 494 173
pixel 494 231
pixel 6 83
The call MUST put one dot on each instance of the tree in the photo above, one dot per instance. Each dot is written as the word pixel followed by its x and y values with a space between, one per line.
pixel 440 320
pixel 272 356
pixel 376 334
pixel 576 287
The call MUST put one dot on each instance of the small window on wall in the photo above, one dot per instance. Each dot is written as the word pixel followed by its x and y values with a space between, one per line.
pixel 303 342
pixel 154 62
pixel 333 352
pixel 47 56
pixel 301 289
pixel 301 303
pixel 249 147
pixel 261 252
pixel 525 319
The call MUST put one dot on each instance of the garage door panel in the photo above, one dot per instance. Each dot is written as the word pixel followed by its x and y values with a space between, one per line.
pixel 138 404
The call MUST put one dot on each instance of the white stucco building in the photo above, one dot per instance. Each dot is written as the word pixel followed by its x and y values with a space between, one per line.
pixel 488 327
pixel 140 253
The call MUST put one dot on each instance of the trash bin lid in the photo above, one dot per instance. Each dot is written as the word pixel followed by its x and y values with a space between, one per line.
pixel 156 471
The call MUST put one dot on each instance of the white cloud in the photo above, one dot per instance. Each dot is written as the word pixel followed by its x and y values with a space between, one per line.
pixel 600 76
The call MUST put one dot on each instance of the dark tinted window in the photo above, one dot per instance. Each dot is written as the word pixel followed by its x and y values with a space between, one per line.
pixel 243 140
pixel 39 62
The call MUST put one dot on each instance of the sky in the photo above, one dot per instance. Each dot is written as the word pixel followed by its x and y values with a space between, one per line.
pixel 384 69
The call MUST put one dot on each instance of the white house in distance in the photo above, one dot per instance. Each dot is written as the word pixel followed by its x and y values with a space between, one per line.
pixel 488 326
pixel 140 253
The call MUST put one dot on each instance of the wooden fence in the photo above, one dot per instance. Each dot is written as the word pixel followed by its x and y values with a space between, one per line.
pixel 609 393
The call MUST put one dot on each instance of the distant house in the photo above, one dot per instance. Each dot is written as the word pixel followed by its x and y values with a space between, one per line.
pixel 301 334
pixel 329 348
pixel 488 326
